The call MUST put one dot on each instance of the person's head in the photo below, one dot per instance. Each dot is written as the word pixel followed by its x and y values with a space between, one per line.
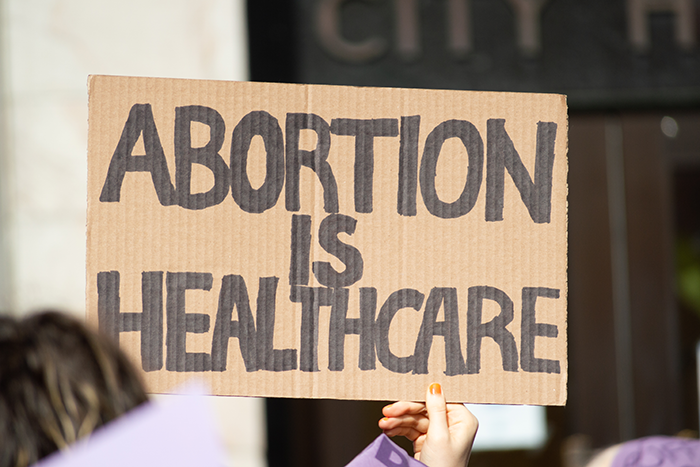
pixel 657 451
pixel 59 381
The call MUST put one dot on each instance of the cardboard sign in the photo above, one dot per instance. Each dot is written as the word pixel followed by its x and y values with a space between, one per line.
pixel 330 242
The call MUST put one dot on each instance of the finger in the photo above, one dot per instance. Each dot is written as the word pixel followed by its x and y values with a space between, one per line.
pixel 459 413
pixel 437 412
pixel 418 443
pixel 402 408
pixel 462 421
pixel 418 422
pixel 408 432
pixel 418 446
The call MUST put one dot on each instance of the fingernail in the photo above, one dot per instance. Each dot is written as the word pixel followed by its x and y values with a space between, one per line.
pixel 385 419
pixel 435 389
pixel 387 406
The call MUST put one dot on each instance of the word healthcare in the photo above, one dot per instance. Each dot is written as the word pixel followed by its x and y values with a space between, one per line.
pixel 320 241
pixel 255 337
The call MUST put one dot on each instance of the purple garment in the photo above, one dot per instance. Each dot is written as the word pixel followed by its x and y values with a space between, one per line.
pixel 384 453
pixel 658 451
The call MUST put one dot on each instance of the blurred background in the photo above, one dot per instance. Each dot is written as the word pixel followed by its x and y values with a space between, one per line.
pixel 630 69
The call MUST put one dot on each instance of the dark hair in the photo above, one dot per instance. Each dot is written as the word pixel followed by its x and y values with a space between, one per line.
pixel 59 381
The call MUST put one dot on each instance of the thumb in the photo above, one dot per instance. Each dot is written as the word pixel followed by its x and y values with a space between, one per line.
pixel 437 412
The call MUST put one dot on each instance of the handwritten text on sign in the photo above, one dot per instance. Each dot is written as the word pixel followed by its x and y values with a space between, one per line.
pixel 337 172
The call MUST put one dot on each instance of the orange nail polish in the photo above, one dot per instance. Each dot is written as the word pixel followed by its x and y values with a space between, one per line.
pixel 435 389
pixel 385 419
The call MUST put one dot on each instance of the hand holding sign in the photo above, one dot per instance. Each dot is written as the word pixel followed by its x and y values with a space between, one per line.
pixel 442 434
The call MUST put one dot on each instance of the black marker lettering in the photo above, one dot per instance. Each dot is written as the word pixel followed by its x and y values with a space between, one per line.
pixel 531 329
pixel 139 123
pixel 495 329
pixel 369 331
pixel 249 199
pixel 269 358
pixel 339 326
pixel 256 345
pixel 179 323
pixel 364 132
pixel 408 166
pixel 316 160
pixel 311 299
pixel 149 322
pixel 404 298
pixel 208 156
pixel 448 328
pixel 502 155
pixel 471 140
pixel 328 232
pixel 301 250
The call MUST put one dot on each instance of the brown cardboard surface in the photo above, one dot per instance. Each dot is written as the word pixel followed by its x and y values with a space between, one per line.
pixel 402 255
